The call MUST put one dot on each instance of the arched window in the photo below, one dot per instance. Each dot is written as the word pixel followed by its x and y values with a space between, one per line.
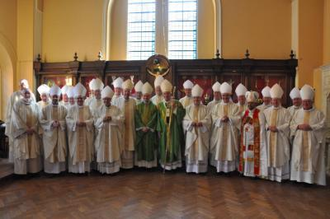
pixel 179 29
pixel 182 29
pixel 141 29
pixel 178 17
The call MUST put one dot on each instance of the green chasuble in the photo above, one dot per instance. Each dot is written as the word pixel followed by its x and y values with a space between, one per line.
pixel 171 132
pixel 146 142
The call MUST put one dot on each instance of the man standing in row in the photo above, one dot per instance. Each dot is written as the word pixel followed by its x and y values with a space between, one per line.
pixel 252 155
pixel 216 97
pixel 241 101
pixel 109 138
pixel 171 113
pixel 80 133
pixel 138 92
pixel 52 121
pixel 43 91
pixel 277 121
pixel 65 98
pixel 187 100
pixel 25 134
pixel 308 127
pixel 197 124
pixel 96 102
pixel 296 101
pixel 127 105
pixel 265 98
pixel 158 97
pixel 146 135
pixel 224 139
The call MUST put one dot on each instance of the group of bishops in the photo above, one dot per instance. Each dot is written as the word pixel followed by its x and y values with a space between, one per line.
pixel 110 130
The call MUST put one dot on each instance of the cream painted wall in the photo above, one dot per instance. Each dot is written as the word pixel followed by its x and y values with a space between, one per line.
pixel 206 30
pixel 72 26
pixel 310 39
pixel 118 22
pixel 249 24
pixel 8 46
pixel 25 45
pixel 263 27
pixel 8 19
pixel 326 33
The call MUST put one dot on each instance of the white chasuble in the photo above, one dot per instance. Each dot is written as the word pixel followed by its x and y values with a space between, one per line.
pixel 127 108
pixel 197 138
pixel 308 154
pixel 224 138
pixel 108 143
pixel 26 147
pixel 54 138
pixel 278 147
pixel 81 150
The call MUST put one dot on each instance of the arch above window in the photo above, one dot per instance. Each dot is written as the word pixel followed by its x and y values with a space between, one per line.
pixel 114 34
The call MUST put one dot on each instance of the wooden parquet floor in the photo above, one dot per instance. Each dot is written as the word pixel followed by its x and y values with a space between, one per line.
pixel 150 194
pixel 6 168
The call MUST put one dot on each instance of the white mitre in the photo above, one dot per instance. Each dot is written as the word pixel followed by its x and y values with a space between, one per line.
pixel 147 88
pixel 166 86
pixel 107 92
pixel 43 89
pixel 225 88
pixel 216 87
pixel 127 85
pixel 295 93
pixel 307 92
pixel 251 96
pixel 197 91
pixel 79 90
pixel 240 90
pixel 97 84
pixel 138 86
pixel 276 91
pixel 55 90
pixel 266 92
pixel 188 84
pixel 118 82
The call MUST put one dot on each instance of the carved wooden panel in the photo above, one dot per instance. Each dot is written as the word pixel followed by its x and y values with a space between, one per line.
pixel 253 73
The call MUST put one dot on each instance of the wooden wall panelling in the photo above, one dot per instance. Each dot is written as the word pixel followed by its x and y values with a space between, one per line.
pixel 254 73
pixel 198 71
pixel 124 69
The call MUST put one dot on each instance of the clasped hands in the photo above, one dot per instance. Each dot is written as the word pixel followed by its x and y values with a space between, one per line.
pixel 197 124
pixel 225 119
pixel 30 131
pixel 273 128
pixel 107 119
pixel 304 127
pixel 81 124
pixel 55 124
pixel 145 129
